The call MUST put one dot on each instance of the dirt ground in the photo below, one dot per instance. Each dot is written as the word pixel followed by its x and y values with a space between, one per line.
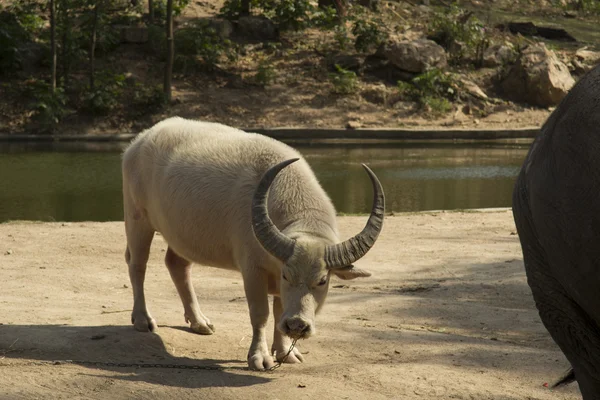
pixel 447 314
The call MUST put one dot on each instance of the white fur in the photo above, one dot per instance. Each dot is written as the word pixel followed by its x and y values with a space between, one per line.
pixel 193 182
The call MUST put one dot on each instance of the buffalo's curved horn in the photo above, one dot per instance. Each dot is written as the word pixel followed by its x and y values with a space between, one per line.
pixel 345 253
pixel 271 238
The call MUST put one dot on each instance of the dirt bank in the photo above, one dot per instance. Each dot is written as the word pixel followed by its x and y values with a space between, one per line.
pixel 447 314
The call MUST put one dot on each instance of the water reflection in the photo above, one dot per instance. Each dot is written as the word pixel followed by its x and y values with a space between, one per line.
pixel 76 182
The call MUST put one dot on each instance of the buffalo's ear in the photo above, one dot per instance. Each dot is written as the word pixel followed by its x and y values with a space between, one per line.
pixel 349 272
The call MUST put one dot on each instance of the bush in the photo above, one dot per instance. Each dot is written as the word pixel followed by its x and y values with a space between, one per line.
pixel 160 9
pixel 367 34
pixel 341 36
pixel 433 90
pixel 287 14
pixel 265 74
pixel 290 14
pixel 200 39
pixel 325 18
pixel 13 34
pixel 459 32
pixel 149 98
pixel 106 94
pixel 344 81
pixel 157 42
pixel 48 108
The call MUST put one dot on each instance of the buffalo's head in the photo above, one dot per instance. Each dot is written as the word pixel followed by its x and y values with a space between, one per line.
pixel 309 261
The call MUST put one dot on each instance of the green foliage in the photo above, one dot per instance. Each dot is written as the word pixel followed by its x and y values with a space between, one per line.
pixel 48 108
pixel 160 9
pixel 28 14
pixel 367 34
pixel 325 18
pixel 19 23
pixel 344 81
pixel 287 14
pixel 265 74
pixel 157 42
pixel 342 36
pixel 12 35
pixel 290 14
pixel 433 91
pixel 459 32
pixel 106 94
pixel 201 39
pixel 148 97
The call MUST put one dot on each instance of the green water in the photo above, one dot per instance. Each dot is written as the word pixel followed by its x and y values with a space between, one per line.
pixel 74 182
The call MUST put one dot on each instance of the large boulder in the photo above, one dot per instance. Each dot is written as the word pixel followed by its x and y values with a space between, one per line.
pixel 497 55
pixel 538 78
pixel 416 56
pixel 257 28
pixel 587 56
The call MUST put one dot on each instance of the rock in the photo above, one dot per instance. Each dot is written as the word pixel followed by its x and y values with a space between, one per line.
pixel 578 67
pixel 385 70
pixel 471 88
pixel 587 56
pixel 257 28
pixel 376 94
pixel 538 78
pixel 134 34
pixel 416 56
pixel 530 29
pixel 497 55
pixel 353 125
pixel 346 61
pixel 223 28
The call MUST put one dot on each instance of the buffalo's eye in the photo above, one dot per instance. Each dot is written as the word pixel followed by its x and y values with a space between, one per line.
pixel 284 277
pixel 323 281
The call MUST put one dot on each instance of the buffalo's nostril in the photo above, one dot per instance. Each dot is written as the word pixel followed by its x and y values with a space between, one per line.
pixel 297 326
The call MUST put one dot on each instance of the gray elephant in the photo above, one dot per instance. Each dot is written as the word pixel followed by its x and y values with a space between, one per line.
pixel 556 206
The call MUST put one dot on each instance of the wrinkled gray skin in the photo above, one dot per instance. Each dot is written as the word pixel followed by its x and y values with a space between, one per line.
pixel 556 206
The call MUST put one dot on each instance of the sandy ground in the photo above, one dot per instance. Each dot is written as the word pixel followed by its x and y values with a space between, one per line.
pixel 447 314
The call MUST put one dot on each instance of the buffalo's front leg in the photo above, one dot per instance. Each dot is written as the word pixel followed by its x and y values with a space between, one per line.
pixel 256 287
pixel 181 274
pixel 281 342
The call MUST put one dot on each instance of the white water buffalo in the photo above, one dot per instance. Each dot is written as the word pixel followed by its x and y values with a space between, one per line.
pixel 211 191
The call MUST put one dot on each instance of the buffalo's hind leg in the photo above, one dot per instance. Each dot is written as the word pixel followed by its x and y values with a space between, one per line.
pixel 139 238
pixel 181 274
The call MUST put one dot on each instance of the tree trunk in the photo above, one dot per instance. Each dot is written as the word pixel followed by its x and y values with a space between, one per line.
pixel 93 46
pixel 65 39
pixel 53 45
pixel 151 12
pixel 170 51
pixel 245 8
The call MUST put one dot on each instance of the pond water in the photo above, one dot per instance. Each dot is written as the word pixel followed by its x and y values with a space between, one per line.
pixel 82 182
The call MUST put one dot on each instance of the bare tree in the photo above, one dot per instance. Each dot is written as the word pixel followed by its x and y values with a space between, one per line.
pixel 170 51
pixel 93 43
pixel 53 44
pixel 151 11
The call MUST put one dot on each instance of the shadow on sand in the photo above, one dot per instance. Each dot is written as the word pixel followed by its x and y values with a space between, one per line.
pixel 119 344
